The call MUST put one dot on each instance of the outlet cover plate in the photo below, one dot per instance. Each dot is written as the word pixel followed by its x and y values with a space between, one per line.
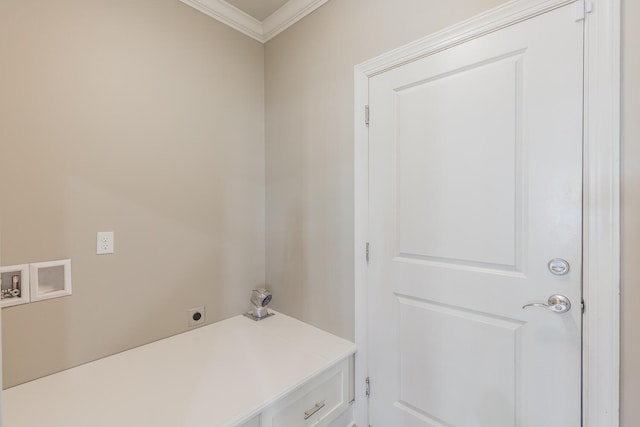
pixel 194 312
pixel 104 243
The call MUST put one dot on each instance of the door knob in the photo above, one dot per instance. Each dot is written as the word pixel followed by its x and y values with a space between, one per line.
pixel 556 303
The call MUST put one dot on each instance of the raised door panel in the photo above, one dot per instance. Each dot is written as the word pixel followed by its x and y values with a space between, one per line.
pixel 450 128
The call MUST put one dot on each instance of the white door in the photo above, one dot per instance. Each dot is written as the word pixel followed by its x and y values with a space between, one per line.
pixel 475 186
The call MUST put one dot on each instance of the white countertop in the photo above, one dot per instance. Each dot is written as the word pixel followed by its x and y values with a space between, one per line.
pixel 218 375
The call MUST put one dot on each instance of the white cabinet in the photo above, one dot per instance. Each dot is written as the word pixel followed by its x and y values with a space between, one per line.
pixel 316 403
pixel 200 378
pixel 253 422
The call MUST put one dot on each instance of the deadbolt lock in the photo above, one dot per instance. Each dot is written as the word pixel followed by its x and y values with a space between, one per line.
pixel 558 267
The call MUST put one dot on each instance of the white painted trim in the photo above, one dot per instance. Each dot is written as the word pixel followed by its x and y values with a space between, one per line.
pixel 601 268
pixel 290 13
pixel 601 271
pixel 1 334
pixel 1 369
pixel 502 16
pixel 230 15
pixel 361 226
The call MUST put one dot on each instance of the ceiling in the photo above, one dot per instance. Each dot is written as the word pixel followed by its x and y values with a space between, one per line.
pixel 259 19
pixel 259 9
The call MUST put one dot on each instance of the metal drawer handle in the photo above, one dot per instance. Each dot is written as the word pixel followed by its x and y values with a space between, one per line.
pixel 308 414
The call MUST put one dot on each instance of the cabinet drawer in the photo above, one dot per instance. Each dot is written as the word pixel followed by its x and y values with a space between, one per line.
pixel 314 404
pixel 253 422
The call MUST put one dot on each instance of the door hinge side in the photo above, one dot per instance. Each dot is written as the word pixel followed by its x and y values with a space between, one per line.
pixel 582 306
pixel 581 8
pixel 366 115
pixel 367 391
pixel 367 252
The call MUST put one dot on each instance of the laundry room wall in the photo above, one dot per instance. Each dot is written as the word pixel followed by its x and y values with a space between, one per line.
pixel 142 117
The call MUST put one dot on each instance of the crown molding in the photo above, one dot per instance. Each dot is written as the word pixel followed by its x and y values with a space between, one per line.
pixel 229 15
pixel 290 13
pixel 280 20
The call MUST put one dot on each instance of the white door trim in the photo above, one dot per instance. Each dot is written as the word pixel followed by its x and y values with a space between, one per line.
pixel 601 244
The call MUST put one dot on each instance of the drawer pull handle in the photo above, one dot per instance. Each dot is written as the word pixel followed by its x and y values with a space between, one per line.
pixel 308 414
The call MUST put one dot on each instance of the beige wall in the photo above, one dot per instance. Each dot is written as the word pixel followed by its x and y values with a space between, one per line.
pixel 630 374
pixel 144 117
pixel 309 137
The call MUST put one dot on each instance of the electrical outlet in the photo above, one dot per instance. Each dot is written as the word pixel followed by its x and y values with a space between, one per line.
pixel 104 243
pixel 196 316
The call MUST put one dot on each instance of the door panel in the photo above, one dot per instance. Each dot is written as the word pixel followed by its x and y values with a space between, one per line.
pixel 445 167
pixel 435 376
pixel 475 184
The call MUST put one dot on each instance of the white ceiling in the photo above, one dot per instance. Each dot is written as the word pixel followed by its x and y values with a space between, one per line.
pixel 259 19
pixel 259 9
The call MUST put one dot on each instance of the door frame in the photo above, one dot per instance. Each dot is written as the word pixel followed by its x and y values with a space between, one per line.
pixel 601 191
